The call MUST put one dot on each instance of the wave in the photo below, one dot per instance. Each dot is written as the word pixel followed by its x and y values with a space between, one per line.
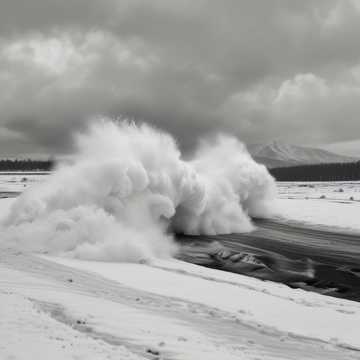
pixel 127 189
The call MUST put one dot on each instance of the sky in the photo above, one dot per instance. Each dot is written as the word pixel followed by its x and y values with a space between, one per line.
pixel 260 70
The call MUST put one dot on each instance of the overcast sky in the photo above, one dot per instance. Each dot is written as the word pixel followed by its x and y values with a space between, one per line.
pixel 262 70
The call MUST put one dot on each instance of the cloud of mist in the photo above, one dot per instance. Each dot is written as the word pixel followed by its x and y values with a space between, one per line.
pixel 128 188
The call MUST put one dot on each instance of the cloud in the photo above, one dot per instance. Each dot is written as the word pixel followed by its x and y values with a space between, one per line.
pixel 256 69
pixel 349 148
pixel 305 108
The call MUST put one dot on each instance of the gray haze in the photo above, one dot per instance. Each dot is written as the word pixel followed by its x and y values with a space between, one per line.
pixel 261 70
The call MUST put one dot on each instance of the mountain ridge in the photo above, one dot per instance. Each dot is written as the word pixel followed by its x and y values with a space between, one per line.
pixel 279 154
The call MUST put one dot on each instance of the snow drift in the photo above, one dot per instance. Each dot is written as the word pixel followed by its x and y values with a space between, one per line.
pixel 128 188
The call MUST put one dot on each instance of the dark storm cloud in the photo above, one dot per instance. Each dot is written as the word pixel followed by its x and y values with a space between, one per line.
pixel 258 69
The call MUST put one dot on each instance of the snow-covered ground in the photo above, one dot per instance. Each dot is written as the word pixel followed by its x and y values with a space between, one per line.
pixel 71 309
pixel 16 182
pixel 62 308
pixel 238 294
pixel 330 204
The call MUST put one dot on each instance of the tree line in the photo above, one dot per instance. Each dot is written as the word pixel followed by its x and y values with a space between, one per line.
pixel 26 165
pixel 318 172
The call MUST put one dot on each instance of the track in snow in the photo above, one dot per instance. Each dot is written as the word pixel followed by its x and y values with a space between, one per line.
pixel 27 276
pixel 310 258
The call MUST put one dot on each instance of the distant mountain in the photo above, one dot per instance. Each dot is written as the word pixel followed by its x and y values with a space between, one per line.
pixel 278 154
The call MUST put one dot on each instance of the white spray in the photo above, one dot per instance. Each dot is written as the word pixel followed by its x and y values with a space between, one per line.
pixel 128 186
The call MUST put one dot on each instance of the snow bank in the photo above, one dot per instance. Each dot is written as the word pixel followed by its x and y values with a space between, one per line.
pixel 128 185
pixel 267 306
pixel 90 318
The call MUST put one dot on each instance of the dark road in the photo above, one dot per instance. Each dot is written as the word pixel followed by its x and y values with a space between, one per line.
pixel 313 259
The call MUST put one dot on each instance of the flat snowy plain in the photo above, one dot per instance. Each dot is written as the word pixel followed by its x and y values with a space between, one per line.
pixel 62 308
pixel 328 204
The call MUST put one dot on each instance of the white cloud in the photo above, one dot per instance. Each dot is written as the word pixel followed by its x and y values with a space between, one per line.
pixel 300 88
pixel 51 54
pixel 305 107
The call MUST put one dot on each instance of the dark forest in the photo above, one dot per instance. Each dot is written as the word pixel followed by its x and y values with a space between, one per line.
pixel 318 172
pixel 26 165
